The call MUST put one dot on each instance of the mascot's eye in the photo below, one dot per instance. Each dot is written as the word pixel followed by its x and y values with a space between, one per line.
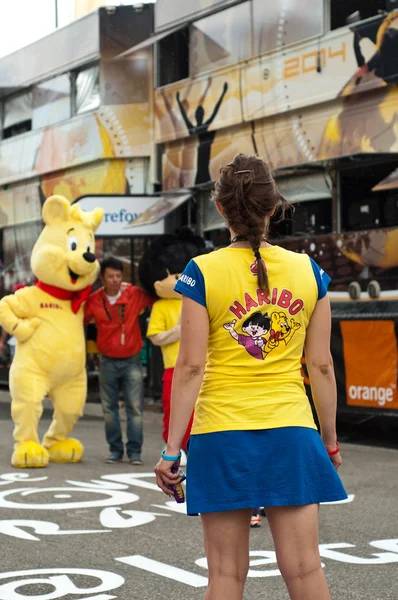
pixel 72 243
pixel 89 247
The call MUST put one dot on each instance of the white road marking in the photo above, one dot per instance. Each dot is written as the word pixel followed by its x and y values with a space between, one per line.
pixel 15 528
pixel 113 519
pixel 114 498
pixel 165 570
pixel 379 558
pixel 174 506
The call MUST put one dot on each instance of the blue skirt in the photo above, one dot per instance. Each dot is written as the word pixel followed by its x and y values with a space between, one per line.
pixel 286 466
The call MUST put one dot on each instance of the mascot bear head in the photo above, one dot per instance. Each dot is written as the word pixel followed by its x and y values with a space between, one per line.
pixel 63 255
pixel 165 260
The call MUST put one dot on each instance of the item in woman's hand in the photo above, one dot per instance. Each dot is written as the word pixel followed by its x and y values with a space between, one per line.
pixel 176 489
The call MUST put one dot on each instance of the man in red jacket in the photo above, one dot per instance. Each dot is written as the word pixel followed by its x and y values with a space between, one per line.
pixel 115 310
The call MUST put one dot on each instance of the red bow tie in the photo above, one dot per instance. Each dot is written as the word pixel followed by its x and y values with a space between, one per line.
pixel 77 298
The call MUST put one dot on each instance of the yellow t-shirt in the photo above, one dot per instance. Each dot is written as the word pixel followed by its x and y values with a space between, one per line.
pixel 253 371
pixel 165 315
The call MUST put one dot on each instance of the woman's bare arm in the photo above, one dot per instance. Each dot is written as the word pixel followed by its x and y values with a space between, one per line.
pixel 189 370
pixel 321 371
pixel 187 380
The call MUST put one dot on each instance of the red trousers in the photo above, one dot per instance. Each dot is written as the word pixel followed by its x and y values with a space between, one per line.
pixel 166 401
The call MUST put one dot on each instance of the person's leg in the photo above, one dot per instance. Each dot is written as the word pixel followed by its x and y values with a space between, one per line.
pixel 226 536
pixel 68 399
pixel 295 533
pixel 109 394
pixel 133 394
pixel 27 389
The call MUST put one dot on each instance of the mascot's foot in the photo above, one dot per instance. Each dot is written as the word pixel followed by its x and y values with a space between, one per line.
pixel 28 455
pixel 66 451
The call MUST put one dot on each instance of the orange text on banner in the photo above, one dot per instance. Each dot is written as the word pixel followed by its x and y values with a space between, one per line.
pixel 370 359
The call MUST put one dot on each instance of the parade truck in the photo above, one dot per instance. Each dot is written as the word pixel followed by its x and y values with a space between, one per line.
pixel 311 87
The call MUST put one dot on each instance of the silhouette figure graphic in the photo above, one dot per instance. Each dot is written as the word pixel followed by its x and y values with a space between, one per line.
pixel 206 137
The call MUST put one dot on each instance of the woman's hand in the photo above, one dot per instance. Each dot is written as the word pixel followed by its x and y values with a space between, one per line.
pixel 335 458
pixel 165 477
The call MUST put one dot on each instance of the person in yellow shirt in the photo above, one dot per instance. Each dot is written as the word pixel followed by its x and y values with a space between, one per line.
pixel 159 270
pixel 254 441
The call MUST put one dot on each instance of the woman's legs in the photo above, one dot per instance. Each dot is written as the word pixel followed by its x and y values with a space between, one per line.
pixel 226 536
pixel 295 533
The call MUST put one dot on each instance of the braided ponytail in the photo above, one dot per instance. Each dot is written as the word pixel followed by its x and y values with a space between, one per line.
pixel 247 194
pixel 262 274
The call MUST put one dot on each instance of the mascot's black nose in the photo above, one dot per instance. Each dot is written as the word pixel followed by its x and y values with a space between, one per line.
pixel 89 257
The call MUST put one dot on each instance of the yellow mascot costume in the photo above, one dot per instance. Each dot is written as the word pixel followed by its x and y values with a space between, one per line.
pixel 47 321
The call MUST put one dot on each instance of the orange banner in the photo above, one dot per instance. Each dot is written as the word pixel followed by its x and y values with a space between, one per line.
pixel 370 359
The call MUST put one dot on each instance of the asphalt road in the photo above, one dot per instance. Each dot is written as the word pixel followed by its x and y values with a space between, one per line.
pixel 101 532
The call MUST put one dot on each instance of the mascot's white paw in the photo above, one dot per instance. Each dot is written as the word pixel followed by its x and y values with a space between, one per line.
pixel 29 455
pixel 66 451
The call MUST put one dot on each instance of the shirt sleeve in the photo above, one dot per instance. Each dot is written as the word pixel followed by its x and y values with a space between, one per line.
pixel 157 322
pixel 192 284
pixel 322 279
pixel 241 339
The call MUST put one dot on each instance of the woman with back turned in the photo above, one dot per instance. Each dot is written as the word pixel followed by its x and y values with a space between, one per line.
pixel 248 312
